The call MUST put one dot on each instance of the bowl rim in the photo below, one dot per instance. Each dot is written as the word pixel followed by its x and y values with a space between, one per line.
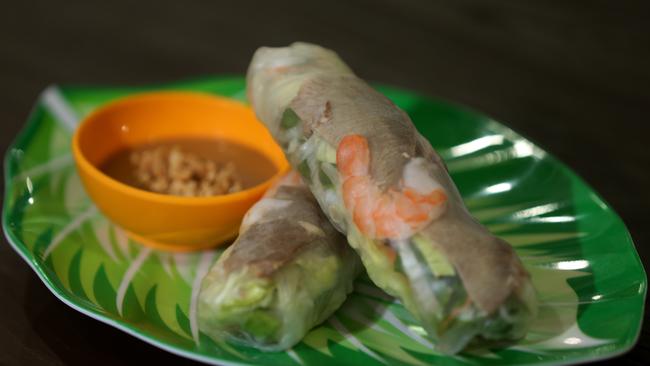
pixel 105 179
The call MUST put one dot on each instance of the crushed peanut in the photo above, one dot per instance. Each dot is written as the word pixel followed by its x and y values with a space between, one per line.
pixel 170 170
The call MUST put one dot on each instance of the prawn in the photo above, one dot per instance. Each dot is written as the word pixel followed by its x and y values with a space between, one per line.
pixel 395 213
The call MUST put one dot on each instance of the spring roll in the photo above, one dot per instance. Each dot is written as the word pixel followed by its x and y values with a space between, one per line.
pixel 288 271
pixel 382 184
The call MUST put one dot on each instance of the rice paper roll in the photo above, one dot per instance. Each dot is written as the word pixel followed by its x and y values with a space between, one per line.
pixel 288 271
pixel 382 184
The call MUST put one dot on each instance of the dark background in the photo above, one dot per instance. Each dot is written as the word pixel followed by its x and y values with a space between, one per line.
pixel 572 76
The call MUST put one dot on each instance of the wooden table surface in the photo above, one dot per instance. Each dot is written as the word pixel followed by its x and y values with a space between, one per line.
pixel 573 77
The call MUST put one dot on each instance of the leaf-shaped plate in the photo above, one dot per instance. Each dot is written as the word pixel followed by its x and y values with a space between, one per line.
pixel 583 263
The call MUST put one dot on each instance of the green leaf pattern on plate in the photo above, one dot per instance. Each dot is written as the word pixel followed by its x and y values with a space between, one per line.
pixel 590 281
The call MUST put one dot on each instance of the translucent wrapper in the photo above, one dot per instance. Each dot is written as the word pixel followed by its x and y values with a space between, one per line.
pixel 288 270
pixel 382 184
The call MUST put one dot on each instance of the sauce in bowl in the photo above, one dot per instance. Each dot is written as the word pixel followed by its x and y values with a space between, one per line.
pixel 189 167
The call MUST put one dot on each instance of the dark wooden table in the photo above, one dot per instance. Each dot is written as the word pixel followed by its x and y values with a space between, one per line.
pixel 573 77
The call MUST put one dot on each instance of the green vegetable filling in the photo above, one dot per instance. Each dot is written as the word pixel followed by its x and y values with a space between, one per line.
pixel 325 179
pixel 435 260
pixel 305 171
pixel 250 294
pixel 289 119
pixel 261 325
pixel 325 152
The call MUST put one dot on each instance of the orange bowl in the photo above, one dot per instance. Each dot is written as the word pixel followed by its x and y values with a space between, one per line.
pixel 164 221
